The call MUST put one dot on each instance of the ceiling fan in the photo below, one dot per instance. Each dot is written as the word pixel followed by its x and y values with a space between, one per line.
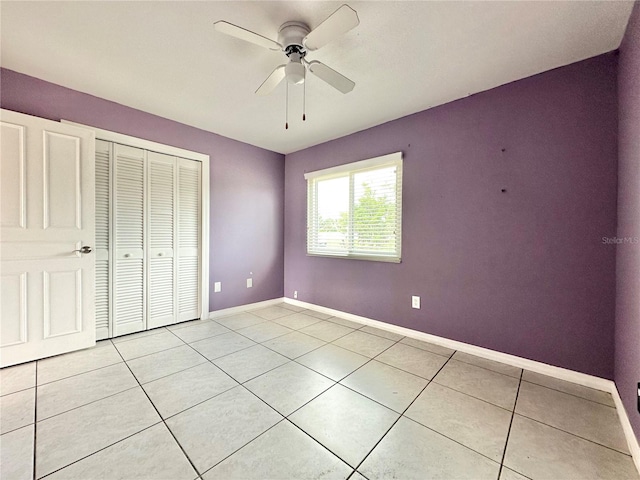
pixel 295 39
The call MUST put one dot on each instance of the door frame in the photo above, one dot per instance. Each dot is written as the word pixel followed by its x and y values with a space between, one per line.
pixel 204 159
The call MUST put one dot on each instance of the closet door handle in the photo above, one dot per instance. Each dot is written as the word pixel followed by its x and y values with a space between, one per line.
pixel 127 255
pixel 84 249
pixel 160 254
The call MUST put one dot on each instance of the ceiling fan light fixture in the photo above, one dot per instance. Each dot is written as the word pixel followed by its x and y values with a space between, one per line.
pixel 295 39
pixel 295 72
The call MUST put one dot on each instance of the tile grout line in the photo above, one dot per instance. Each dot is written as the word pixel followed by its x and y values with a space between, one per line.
pixel 221 356
pixel 147 354
pixel 338 346
pixel 284 418
pixel 176 372
pixel 324 391
pixel 322 445
pixel 490 369
pixel 213 336
pixel 574 435
pixel 403 370
pixel 294 360
pixel 400 416
pixel 100 450
pixel 382 405
pixel 428 351
pixel 472 396
pixel 238 385
pixel 448 437
pixel 534 383
pixel 513 414
pixel 162 419
pixel 203 338
pixel 85 404
pixel 246 389
pixel 115 393
pixel 371 359
pixel 571 394
pixel 396 342
pixel 291 359
pixel 78 374
pixel 124 339
pixel 186 323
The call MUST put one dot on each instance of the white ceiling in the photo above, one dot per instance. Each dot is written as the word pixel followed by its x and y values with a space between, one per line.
pixel 165 57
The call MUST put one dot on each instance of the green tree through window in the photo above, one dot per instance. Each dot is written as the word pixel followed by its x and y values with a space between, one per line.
pixel 374 219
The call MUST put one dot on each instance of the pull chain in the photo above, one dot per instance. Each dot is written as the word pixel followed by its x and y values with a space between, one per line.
pixel 286 116
pixel 304 98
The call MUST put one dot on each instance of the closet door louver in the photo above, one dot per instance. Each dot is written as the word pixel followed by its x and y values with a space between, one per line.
pixel 130 287
pixel 103 183
pixel 188 243
pixel 161 228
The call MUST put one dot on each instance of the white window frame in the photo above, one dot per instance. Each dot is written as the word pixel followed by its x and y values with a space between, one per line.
pixel 349 169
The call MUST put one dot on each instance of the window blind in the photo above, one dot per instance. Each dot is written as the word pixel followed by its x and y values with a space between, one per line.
pixel 355 210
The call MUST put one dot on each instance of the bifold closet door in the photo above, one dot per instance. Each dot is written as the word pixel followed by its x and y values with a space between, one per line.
pixel 189 242
pixel 103 184
pixel 129 309
pixel 162 267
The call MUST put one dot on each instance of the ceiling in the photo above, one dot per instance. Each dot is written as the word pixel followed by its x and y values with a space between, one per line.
pixel 166 59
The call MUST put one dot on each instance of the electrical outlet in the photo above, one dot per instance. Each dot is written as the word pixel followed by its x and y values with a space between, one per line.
pixel 217 287
pixel 295 294
pixel 415 302
pixel 249 282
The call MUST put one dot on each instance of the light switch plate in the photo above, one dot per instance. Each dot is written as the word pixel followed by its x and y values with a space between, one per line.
pixel 249 282
pixel 217 287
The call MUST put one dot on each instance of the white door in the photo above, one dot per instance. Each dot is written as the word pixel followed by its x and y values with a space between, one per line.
pixel 102 249
pixel 189 242
pixel 129 307
pixel 162 233
pixel 46 221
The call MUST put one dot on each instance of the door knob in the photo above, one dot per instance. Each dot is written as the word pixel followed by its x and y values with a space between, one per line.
pixel 84 249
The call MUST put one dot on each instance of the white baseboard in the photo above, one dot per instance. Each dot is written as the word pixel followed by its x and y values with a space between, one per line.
pixel 225 312
pixel 532 365
pixel 632 441
pixel 538 367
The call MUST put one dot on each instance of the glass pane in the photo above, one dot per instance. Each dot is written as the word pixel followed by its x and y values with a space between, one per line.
pixel 374 212
pixel 333 214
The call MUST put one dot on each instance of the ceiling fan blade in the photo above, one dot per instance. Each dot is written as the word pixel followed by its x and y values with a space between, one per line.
pixel 246 35
pixel 338 23
pixel 333 78
pixel 272 81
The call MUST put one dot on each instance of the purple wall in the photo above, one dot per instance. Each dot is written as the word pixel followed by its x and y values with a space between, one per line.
pixel 523 272
pixel 627 336
pixel 246 183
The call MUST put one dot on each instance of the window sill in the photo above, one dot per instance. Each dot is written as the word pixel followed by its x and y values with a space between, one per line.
pixel 370 258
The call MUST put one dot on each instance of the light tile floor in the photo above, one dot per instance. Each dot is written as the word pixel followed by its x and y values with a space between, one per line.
pixel 280 393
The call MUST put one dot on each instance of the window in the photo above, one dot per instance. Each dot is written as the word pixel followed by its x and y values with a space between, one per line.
pixel 355 210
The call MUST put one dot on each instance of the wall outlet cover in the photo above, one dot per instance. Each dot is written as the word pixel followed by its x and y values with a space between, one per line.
pixel 415 302
pixel 295 294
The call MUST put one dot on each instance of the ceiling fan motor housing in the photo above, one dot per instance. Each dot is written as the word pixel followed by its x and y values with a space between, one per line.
pixel 291 34
pixel 290 37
